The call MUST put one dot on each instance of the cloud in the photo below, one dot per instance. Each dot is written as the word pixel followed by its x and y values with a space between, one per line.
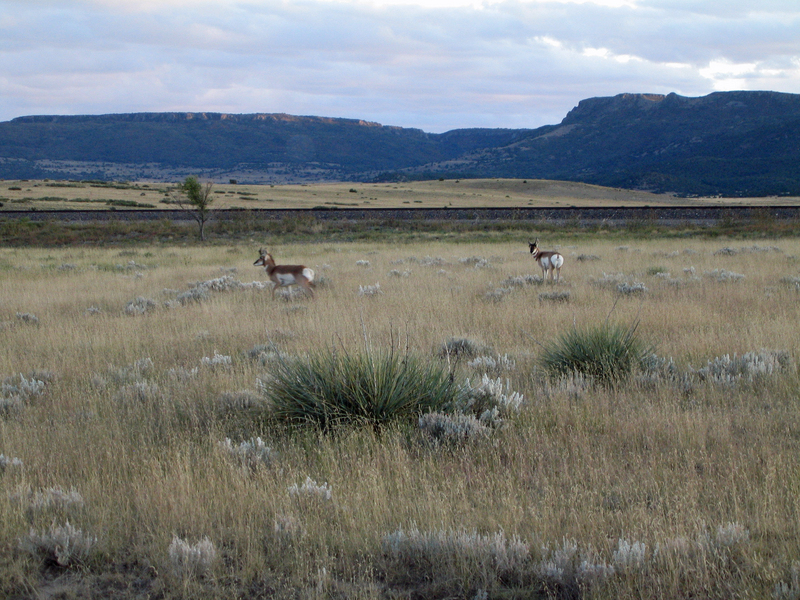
pixel 434 65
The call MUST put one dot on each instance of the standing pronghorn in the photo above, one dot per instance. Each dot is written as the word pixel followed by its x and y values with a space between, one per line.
pixel 550 262
pixel 285 275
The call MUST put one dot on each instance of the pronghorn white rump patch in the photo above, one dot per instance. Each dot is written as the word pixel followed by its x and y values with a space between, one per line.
pixel 550 261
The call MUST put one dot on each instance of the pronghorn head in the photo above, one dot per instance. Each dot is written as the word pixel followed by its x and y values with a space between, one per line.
pixel 534 246
pixel 263 257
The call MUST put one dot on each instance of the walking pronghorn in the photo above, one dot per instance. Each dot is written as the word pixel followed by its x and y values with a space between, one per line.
pixel 550 262
pixel 285 275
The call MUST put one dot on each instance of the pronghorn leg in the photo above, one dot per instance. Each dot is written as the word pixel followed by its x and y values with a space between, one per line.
pixel 307 287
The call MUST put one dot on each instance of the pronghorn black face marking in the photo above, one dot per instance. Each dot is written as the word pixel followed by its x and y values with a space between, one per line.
pixel 261 261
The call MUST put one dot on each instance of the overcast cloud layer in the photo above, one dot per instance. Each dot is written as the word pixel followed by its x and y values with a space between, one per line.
pixel 437 65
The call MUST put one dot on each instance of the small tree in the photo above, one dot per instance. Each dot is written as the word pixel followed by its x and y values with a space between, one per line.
pixel 196 198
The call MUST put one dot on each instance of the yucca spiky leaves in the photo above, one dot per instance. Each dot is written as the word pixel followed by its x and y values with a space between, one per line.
pixel 606 353
pixel 331 388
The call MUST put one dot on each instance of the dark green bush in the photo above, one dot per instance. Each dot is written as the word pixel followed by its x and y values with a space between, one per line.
pixel 607 353
pixel 335 388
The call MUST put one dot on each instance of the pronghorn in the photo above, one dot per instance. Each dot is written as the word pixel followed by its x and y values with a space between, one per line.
pixel 550 262
pixel 285 275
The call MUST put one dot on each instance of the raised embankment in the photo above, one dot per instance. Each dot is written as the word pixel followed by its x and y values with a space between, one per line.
pixel 675 215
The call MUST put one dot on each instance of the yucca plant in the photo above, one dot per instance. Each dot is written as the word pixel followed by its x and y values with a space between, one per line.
pixel 607 353
pixel 331 388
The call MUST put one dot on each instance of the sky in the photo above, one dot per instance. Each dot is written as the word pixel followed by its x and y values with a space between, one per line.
pixel 434 65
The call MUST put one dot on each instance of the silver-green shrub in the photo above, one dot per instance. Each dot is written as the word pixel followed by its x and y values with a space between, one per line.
pixel 629 557
pixel 370 290
pixel 730 535
pixel 53 499
pixel 216 361
pixel 497 294
pixel 139 392
pixel 136 372
pixel 749 367
pixel 459 347
pixel 489 394
pixel 16 391
pixel 522 280
pixel 24 387
pixel 789 590
pixel 271 357
pixel 575 385
pixel 635 288
pixel 466 560
pixel 191 560
pixel 555 297
pixel 202 290
pixel 28 318
pixel 140 305
pixel 193 294
pixel 311 490
pixel 567 568
pixel 723 276
pixel 8 462
pixel 452 430
pixel 621 284
pixel 250 454
pixel 61 545
pixel 492 364
pixel 431 261
pixel 182 374
pixel 287 528
pixel 608 280
pixel 655 369
pixel 476 262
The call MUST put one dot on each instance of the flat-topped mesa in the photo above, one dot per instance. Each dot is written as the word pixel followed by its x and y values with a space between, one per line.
pixel 177 117
pixel 626 105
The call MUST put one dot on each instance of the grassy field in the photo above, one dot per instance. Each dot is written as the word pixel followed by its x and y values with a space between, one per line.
pixel 59 195
pixel 125 371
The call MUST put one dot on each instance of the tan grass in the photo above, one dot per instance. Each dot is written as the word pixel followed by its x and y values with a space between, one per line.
pixel 639 464
pixel 466 193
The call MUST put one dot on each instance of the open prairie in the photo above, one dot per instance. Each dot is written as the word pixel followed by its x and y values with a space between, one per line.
pixel 467 193
pixel 125 372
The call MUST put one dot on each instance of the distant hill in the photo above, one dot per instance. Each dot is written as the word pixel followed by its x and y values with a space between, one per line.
pixel 731 143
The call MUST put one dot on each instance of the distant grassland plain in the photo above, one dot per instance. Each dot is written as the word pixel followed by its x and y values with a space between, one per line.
pixel 139 456
pixel 466 193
